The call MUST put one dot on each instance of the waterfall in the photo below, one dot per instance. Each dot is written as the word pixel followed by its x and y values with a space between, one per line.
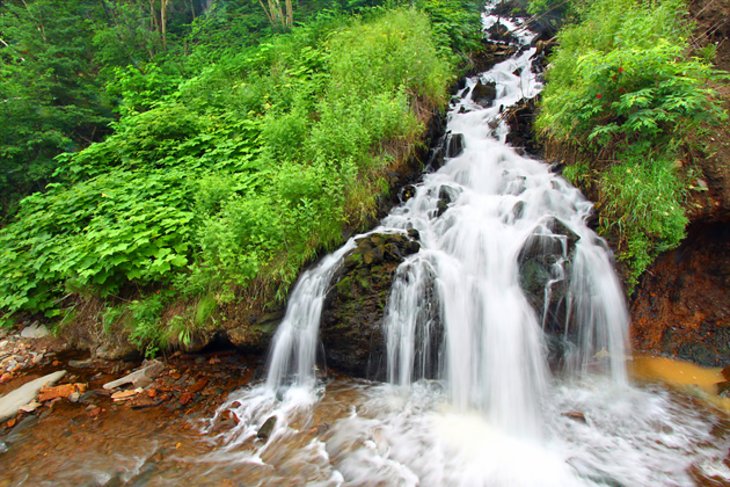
pixel 457 311
pixel 505 342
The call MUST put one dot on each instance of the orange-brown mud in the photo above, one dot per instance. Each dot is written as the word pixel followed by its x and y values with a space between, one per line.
pixel 100 441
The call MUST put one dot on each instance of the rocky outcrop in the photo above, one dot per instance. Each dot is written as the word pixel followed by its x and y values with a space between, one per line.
pixel 681 307
pixel 352 319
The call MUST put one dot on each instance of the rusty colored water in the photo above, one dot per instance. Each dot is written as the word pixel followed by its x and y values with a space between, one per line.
pixel 691 378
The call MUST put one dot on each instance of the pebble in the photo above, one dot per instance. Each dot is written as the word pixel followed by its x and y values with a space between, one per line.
pixel 3 447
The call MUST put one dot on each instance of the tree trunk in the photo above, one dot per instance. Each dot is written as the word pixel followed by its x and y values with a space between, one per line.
pixel 163 22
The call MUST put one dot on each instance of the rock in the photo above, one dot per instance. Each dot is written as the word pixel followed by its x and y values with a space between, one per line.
pixel 723 388
pixel 437 156
pixel 265 430
pixel 12 402
pixel 545 260
pixel 680 307
pixel 352 317
pixel 576 416
pixel 447 195
pixel 500 32
pixel 139 378
pixel 520 118
pixel 726 372
pixel 455 145
pixel 63 391
pixel 74 397
pixel 199 385
pixel 256 331
pixel 3 447
pixel 126 395
pixel 186 398
pixel 407 192
pixel 80 364
pixel 30 407
pixel 35 331
pixel 484 93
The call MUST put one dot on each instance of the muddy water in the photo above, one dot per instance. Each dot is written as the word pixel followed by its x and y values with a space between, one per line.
pixel 690 378
pixel 362 433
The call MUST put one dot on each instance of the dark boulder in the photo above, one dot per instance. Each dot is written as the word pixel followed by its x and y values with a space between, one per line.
pixel 454 145
pixel 500 32
pixel 544 270
pixel 447 195
pixel 484 93
pixel 521 121
pixel 352 318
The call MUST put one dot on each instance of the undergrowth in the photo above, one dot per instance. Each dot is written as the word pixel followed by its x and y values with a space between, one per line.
pixel 625 92
pixel 232 168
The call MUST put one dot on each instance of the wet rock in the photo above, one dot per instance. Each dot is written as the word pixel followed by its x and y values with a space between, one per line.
pixel 576 416
pixel 63 391
pixel 723 388
pixel 139 378
pixel 500 32
pixel 265 430
pixel 521 119
pixel 35 331
pixel 407 192
pixel 484 93
pixel 354 308
pixel 465 93
pixel 455 145
pixel 12 402
pixel 437 157
pixel 122 396
pixel 447 195
pixel 545 264
pixel 680 307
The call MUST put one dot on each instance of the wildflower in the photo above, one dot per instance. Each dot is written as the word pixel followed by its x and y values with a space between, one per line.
pixel 599 96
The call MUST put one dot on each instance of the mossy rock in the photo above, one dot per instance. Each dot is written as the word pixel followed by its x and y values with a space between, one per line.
pixel 554 244
pixel 352 318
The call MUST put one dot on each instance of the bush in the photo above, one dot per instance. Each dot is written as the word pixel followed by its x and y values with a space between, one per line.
pixel 623 92
pixel 238 174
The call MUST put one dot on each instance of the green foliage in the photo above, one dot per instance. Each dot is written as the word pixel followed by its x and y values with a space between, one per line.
pixel 621 85
pixel 50 101
pixel 642 203
pixel 231 168
pixel 147 334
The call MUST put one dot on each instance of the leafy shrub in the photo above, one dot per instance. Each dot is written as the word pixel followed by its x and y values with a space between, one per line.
pixel 236 176
pixel 622 88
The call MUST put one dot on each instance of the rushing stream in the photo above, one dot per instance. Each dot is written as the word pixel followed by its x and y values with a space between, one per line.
pixel 475 395
pixel 471 398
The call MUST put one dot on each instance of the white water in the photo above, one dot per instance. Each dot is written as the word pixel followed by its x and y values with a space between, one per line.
pixel 495 413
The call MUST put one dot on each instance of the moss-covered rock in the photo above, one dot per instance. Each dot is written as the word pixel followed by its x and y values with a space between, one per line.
pixel 544 264
pixel 352 320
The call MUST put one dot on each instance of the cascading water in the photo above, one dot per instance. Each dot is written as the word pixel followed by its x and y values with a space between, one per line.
pixel 471 396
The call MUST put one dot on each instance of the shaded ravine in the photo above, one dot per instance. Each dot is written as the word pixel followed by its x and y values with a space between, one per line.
pixel 489 390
